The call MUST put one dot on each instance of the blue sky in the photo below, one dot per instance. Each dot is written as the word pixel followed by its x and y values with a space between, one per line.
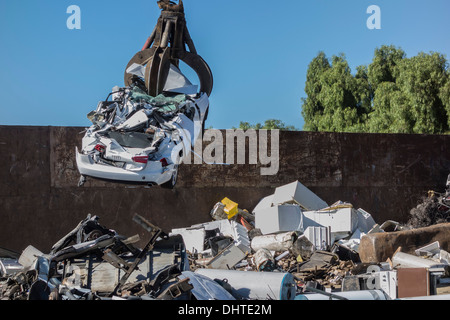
pixel 259 51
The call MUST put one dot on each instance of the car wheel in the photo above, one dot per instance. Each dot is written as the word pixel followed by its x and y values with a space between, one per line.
pixel 173 180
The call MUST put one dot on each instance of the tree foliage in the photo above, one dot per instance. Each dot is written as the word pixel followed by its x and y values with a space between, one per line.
pixel 393 94
pixel 269 124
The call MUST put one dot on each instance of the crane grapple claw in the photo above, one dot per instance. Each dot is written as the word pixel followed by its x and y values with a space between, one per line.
pixel 167 46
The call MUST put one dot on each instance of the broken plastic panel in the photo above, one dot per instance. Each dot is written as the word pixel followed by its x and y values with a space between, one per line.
pixel 365 221
pixel 320 237
pixel 406 260
pixel 280 218
pixel 228 257
pixel 264 203
pixel 429 250
pixel 28 256
pixel 297 193
pixel 194 238
pixel 342 222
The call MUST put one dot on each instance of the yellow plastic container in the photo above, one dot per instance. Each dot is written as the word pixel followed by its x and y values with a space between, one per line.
pixel 231 208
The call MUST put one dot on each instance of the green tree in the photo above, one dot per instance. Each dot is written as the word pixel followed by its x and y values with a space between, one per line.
pixel 393 94
pixel 390 113
pixel 337 100
pixel 444 95
pixel 313 108
pixel 421 79
pixel 384 66
pixel 269 124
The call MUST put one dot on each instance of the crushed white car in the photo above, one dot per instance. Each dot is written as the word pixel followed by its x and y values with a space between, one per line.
pixel 137 138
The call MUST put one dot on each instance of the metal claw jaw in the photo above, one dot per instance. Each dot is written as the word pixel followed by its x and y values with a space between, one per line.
pixel 165 46
pixel 168 5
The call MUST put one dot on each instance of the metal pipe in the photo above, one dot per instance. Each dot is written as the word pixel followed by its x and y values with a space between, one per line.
pixel 150 39
pixel 255 285
pixel 166 34
pixel 432 297
pixel 348 295
pixel 324 293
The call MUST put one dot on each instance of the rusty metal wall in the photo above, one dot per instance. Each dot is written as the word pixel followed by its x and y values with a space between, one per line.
pixel 40 202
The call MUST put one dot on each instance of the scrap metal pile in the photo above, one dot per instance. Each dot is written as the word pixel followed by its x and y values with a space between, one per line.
pixel 435 208
pixel 147 128
pixel 291 246
pixel 96 263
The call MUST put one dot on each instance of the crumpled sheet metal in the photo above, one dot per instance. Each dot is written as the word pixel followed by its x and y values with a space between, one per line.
pixel 205 288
